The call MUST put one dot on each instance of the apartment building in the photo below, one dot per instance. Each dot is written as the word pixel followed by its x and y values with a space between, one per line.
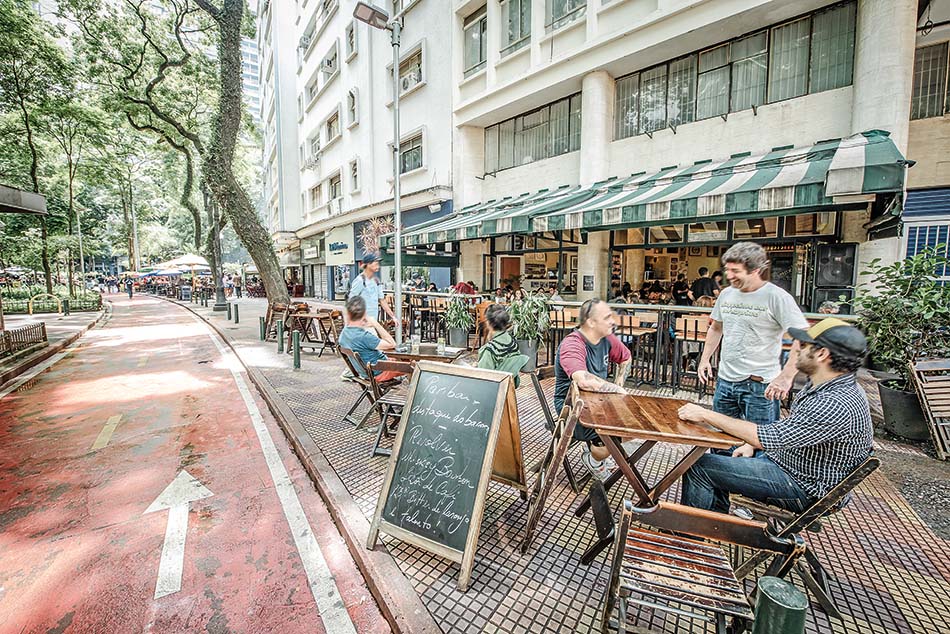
pixel 597 142
pixel 251 77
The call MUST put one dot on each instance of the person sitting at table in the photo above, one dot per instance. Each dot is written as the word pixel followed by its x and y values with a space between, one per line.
pixel 826 435
pixel 501 352
pixel 584 357
pixel 367 338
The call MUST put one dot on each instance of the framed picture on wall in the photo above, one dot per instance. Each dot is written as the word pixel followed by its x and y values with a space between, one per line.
pixel 572 263
pixel 712 252
pixel 696 251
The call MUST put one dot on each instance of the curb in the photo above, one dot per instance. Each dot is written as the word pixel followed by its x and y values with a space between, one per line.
pixel 45 353
pixel 394 594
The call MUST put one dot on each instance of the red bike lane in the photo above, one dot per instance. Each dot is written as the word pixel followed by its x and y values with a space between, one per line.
pixel 146 488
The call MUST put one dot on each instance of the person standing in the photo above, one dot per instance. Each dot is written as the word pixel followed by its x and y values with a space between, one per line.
pixel 238 285
pixel 366 286
pixel 129 285
pixel 682 296
pixel 748 320
pixel 704 286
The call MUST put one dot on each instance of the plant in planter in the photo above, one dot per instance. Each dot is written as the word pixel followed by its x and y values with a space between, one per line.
pixel 457 321
pixel 905 311
pixel 530 319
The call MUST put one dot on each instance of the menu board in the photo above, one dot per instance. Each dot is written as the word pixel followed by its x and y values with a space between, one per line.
pixel 433 495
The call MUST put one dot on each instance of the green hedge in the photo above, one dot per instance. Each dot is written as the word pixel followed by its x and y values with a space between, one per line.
pixel 87 303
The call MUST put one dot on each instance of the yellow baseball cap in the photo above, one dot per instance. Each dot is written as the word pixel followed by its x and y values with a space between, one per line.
pixel 834 334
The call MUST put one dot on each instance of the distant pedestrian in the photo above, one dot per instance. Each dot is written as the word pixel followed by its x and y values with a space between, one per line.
pixel 129 286
pixel 238 285
pixel 682 296
pixel 704 286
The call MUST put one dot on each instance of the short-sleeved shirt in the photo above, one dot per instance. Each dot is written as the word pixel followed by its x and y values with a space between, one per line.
pixel 363 343
pixel 827 434
pixel 576 353
pixel 752 328
pixel 704 287
pixel 370 291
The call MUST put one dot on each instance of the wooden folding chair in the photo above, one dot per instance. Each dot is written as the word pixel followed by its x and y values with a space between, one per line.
pixel 784 523
pixel 355 365
pixel 689 342
pixel 931 377
pixel 275 311
pixel 389 397
pixel 547 372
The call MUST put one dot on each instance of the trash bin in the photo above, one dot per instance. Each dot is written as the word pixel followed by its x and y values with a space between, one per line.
pixel 186 293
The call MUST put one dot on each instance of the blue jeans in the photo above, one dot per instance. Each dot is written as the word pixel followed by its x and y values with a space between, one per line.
pixel 745 400
pixel 709 482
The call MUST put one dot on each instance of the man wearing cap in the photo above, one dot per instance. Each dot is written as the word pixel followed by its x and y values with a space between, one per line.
pixel 366 286
pixel 826 435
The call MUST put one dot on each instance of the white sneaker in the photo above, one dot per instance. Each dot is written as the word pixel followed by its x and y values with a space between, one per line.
pixel 597 468
pixel 743 512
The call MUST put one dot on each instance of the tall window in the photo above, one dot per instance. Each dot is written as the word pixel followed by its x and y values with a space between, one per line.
pixel 352 108
pixel 314 145
pixel 930 98
pixel 330 63
pixel 475 31
pixel 410 154
pixel 561 12
pixel 410 72
pixel 316 196
pixel 548 131
pixel 350 39
pixel 333 127
pixel 354 175
pixel 335 188
pixel 516 16
pixel 811 54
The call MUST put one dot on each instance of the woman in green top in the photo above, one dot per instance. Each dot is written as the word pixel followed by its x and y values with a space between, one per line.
pixel 501 353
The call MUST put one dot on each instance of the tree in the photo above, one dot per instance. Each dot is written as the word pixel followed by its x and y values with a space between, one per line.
pixel 33 71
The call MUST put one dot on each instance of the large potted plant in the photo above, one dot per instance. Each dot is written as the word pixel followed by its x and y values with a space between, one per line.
pixel 457 321
pixel 905 311
pixel 530 319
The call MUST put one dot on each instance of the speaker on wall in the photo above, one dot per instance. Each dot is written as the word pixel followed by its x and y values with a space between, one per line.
pixel 835 265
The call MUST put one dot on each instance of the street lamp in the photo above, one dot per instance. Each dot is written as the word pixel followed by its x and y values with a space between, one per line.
pixel 379 19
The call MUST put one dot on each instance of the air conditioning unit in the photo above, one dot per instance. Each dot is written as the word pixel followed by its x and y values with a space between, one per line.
pixel 312 162
pixel 334 206
pixel 304 42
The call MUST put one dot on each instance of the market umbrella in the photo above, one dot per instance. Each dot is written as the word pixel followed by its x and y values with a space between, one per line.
pixel 192 261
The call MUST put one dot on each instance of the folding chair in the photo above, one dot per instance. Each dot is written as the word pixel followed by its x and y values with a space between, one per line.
pixel 688 344
pixel 389 400
pixel 275 311
pixel 537 376
pixel 784 523
pixel 359 371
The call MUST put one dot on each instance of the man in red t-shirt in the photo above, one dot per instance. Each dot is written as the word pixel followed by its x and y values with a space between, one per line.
pixel 584 357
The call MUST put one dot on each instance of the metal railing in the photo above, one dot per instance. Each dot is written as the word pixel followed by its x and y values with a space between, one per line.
pixel 17 339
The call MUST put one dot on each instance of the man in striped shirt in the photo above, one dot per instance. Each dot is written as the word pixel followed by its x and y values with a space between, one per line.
pixel 827 434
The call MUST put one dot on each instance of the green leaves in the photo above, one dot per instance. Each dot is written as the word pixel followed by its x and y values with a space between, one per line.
pixel 530 317
pixel 456 313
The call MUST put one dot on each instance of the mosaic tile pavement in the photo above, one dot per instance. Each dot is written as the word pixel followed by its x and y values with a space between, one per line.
pixel 890 573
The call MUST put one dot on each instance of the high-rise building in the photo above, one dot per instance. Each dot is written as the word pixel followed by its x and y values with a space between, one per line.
pixel 251 77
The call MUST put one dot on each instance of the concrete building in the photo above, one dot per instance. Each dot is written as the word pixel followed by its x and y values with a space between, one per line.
pixel 281 162
pixel 632 140
pixel 927 209
pixel 251 77
pixel 327 98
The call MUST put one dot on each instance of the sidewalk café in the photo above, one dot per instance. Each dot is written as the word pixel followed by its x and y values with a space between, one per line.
pixel 808 206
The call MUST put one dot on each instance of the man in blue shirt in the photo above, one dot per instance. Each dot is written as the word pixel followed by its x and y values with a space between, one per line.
pixel 366 337
pixel 366 286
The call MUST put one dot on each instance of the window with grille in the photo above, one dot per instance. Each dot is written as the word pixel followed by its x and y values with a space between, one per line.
pixel 350 39
pixel 333 127
pixel 410 154
pixel 316 196
pixel 548 131
pixel 930 82
pixel 410 72
pixel 516 18
pixel 335 187
pixel 475 36
pixel 920 237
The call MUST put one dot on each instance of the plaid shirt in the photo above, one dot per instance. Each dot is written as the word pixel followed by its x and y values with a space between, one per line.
pixel 827 434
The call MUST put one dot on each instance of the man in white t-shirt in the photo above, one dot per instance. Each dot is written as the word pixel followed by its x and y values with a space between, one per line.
pixel 749 319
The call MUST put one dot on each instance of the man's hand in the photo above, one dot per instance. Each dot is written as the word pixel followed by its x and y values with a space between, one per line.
pixel 611 388
pixel 744 450
pixel 704 371
pixel 693 413
pixel 779 387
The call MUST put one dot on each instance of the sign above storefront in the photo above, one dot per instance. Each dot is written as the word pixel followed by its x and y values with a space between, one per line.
pixel 340 245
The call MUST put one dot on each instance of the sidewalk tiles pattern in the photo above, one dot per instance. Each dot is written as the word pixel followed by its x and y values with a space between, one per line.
pixel 890 573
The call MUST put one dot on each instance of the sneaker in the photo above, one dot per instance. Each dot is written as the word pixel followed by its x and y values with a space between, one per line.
pixel 597 468
pixel 743 512
pixel 346 376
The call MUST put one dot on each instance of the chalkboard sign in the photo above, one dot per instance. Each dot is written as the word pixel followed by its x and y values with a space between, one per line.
pixel 433 495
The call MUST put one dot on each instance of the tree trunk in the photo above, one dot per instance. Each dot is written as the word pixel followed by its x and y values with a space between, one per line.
pixel 217 160
pixel 47 270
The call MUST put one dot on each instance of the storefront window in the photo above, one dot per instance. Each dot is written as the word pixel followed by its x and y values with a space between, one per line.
pixel 755 229
pixel 820 224
pixel 670 234
pixel 709 232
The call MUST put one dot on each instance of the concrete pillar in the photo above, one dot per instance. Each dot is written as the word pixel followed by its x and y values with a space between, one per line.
pixel 633 267
pixel 593 259
pixel 537 33
pixel 470 260
pixel 469 165
pixel 597 116
pixel 493 15
pixel 884 67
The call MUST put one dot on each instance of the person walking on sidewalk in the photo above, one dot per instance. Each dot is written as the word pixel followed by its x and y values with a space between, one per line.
pixel 129 285
pixel 584 357
pixel 366 286
pixel 749 319
pixel 238 285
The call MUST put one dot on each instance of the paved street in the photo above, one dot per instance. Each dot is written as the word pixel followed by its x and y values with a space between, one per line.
pixel 144 487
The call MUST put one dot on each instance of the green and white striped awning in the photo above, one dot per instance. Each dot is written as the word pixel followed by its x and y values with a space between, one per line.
pixel 781 182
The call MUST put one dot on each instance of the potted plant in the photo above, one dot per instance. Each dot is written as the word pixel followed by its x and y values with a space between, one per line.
pixel 905 311
pixel 457 321
pixel 530 319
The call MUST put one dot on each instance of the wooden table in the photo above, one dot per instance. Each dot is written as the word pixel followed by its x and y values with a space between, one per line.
pixel 450 355
pixel 317 328
pixel 651 419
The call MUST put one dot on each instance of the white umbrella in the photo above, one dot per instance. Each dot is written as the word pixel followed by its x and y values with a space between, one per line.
pixel 190 260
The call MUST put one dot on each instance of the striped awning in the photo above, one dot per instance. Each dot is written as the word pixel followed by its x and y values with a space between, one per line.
pixel 783 181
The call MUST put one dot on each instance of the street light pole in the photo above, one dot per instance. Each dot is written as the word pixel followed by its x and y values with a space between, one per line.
pixel 379 19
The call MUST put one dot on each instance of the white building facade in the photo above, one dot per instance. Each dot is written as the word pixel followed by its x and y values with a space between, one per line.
pixel 567 94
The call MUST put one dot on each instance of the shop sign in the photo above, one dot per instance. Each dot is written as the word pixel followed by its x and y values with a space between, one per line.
pixel 311 253
pixel 588 282
pixel 340 245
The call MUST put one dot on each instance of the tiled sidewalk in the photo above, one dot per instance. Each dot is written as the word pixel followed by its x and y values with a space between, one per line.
pixel 890 572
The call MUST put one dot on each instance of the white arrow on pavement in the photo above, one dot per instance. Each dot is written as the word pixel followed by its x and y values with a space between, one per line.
pixel 176 497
